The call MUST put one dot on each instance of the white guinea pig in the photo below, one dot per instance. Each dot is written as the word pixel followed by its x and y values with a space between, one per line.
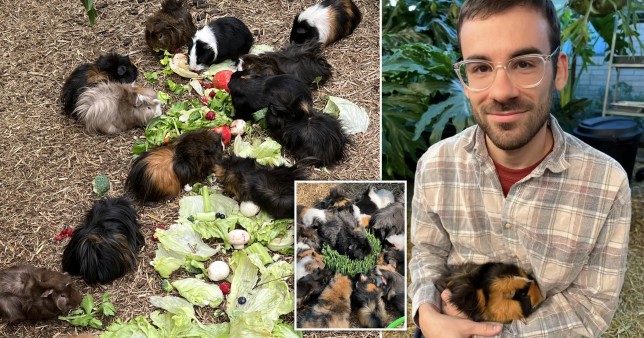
pixel 221 39
pixel 111 108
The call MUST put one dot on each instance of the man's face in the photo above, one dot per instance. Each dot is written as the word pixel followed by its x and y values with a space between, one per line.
pixel 510 115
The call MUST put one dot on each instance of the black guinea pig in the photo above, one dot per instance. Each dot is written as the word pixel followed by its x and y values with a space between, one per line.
pixel 221 39
pixel 326 22
pixel 170 28
pixel 107 68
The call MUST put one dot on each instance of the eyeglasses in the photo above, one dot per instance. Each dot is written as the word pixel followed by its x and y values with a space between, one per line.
pixel 525 71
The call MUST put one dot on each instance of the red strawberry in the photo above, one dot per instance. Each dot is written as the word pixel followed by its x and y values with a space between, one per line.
pixel 210 115
pixel 204 100
pixel 221 79
pixel 224 287
pixel 224 131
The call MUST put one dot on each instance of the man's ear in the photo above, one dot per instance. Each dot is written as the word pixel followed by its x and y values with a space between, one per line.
pixel 561 78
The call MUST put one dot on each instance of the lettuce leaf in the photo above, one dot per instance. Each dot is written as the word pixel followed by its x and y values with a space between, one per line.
pixel 268 152
pixel 283 244
pixel 166 262
pixel 199 292
pixel 283 330
pixel 174 305
pixel 139 327
pixel 353 118
pixel 183 240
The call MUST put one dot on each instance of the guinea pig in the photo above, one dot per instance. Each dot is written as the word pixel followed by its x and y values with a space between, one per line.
pixel 367 299
pixel 326 22
pixel 105 246
pixel 333 306
pixel 393 284
pixel 337 199
pixel 270 188
pixel 309 264
pixel 494 291
pixel 109 67
pixel 316 139
pixel 162 172
pixel 304 61
pixel 388 221
pixel 221 39
pixel 393 257
pixel 342 233
pixel 371 200
pixel 309 287
pixel 111 108
pixel 287 96
pixel 30 293
pixel 170 28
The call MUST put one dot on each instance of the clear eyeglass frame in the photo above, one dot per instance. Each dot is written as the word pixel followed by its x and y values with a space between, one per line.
pixel 495 67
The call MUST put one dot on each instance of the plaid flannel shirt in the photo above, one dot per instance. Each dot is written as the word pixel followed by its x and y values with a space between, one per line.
pixel 567 223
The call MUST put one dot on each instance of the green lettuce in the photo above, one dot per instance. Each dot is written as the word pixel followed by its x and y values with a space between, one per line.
pixel 181 239
pixel 139 327
pixel 283 330
pixel 267 152
pixel 199 292
pixel 166 262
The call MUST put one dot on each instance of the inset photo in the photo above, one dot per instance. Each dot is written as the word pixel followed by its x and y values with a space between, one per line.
pixel 350 255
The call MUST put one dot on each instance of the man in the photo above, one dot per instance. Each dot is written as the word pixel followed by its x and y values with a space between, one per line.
pixel 516 188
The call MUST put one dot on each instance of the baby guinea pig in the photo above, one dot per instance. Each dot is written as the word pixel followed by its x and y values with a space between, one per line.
pixel 221 39
pixel 170 28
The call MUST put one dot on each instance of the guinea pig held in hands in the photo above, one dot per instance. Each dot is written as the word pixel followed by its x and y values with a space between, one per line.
pixel 105 246
pixel 111 108
pixel 170 28
pixel 493 291
pixel 326 22
pixel 30 293
pixel 221 39
pixel 162 172
pixel 109 67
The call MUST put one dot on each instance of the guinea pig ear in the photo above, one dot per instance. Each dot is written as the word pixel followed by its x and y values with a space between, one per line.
pixel 46 293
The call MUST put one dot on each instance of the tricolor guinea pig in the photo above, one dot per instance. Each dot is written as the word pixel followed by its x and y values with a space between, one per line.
pixel 169 28
pixel 221 39
pixel 333 306
pixel 326 22
pixel 493 291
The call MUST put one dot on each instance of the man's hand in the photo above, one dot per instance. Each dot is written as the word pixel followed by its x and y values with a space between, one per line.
pixel 449 308
pixel 434 324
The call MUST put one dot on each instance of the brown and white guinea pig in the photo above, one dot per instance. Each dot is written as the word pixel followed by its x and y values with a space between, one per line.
pixel 105 246
pixel 162 172
pixel 326 22
pixel 304 61
pixel 333 306
pixel 30 293
pixel 493 291
pixel 317 139
pixel 366 298
pixel 170 28
pixel 112 107
pixel 308 261
pixel 286 94
pixel 221 39
pixel 109 67
pixel 342 232
pixel 269 188
pixel 311 286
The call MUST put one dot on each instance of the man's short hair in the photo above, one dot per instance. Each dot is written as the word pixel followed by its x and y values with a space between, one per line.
pixel 482 9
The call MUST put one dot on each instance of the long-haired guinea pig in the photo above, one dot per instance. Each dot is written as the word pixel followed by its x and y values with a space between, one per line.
pixel 337 199
pixel 287 96
pixel 326 22
pixel 342 232
pixel 305 61
pixel 310 286
pixel 388 221
pixel 105 246
pixel 169 28
pixel 333 306
pixel 112 107
pixel 30 293
pixel 367 299
pixel 371 200
pixel 162 172
pixel 493 291
pixel 270 188
pixel 393 284
pixel 317 139
pixel 221 39
pixel 109 67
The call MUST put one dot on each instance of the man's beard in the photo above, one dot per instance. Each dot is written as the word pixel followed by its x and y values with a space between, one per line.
pixel 514 135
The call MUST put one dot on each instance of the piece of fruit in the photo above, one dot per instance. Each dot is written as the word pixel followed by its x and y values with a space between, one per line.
pixel 210 115
pixel 224 131
pixel 241 300
pixel 224 287
pixel 212 94
pixel 207 85
pixel 221 79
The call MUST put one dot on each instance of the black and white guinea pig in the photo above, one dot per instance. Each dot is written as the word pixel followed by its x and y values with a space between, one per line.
pixel 326 22
pixel 270 188
pixel 287 95
pixel 317 139
pixel 112 107
pixel 31 293
pixel 162 172
pixel 109 67
pixel 105 246
pixel 169 28
pixel 221 39
pixel 305 61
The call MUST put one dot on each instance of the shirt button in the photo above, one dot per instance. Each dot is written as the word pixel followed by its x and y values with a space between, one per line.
pixel 508 225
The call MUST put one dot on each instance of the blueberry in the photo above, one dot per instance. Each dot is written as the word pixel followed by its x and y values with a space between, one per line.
pixel 241 300
pixel 220 215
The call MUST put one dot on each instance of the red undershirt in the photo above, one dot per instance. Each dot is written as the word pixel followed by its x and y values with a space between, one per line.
pixel 509 176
